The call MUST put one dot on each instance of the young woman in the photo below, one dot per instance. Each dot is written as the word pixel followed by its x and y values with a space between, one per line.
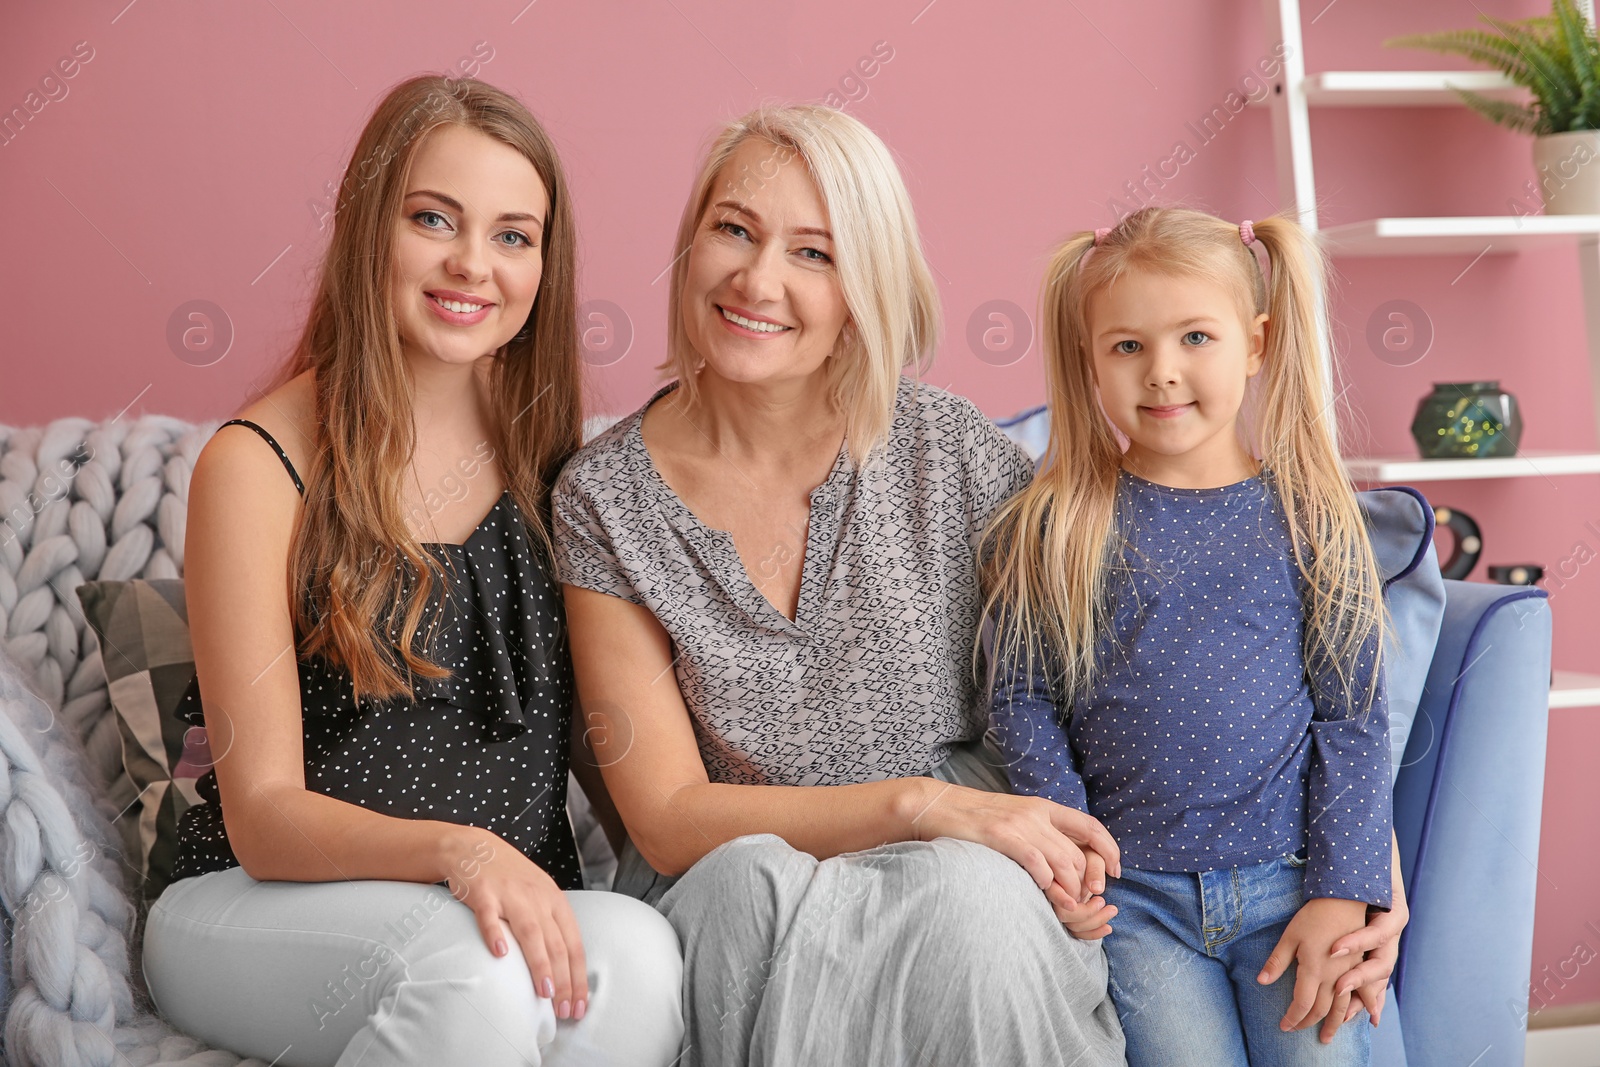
pixel 383 871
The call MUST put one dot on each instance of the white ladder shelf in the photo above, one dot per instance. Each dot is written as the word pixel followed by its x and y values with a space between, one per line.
pixel 1297 92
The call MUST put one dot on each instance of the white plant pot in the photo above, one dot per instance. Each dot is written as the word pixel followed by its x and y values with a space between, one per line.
pixel 1568 168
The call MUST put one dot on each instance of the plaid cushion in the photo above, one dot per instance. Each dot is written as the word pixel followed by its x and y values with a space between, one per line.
pixel 143 629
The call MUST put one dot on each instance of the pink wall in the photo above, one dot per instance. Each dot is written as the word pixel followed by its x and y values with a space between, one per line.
pixel 189 158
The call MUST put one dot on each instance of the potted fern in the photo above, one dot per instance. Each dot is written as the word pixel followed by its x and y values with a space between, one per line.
pixel 1557 58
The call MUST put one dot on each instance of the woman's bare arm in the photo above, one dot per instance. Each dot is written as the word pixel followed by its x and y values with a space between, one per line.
pixel 639 729
pixel 242 508
pixel 587 771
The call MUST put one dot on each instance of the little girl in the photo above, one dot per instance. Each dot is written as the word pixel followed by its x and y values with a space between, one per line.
pixel 1188 637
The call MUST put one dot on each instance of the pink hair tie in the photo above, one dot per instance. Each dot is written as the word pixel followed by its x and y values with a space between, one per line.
pixel 1247 232
pixel 1101 234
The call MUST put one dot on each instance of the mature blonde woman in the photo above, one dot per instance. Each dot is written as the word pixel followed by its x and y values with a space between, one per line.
pixel 772 598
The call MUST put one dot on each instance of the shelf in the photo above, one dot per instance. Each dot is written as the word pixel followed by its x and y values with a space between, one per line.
pixel 1469 235
pixel 1528 464
pixel 1405 88
pixel 1562 1046
pixel 1570 689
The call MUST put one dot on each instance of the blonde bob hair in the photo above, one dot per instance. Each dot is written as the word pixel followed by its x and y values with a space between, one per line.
pixel 893 305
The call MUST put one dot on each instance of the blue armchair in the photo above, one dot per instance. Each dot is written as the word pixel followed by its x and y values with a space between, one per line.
pixel 1467 805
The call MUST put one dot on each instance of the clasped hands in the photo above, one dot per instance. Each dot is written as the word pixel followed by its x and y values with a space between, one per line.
pixel 1342 963
pixel 1343 950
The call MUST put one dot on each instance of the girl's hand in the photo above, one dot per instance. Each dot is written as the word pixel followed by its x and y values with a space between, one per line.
pixel 1091 921
pixel 1308 943
pixel 505 889
pixel 1380 941
pixel 1088 921
pixel 1046 839
pixel 1084 918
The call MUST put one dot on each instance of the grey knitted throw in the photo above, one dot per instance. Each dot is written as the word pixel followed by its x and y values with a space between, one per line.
pixel 78 501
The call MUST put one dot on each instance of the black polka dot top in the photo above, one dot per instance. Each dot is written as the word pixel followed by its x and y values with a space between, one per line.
pixel 484 747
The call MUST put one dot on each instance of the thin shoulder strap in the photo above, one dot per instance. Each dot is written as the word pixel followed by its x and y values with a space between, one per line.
pixel 298 484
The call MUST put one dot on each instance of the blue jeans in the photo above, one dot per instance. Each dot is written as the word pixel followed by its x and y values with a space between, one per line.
pixel 1185 950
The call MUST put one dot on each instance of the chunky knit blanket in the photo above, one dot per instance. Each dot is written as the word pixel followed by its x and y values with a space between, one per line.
pixel 81 501
pixel 62 883
pixel 78 501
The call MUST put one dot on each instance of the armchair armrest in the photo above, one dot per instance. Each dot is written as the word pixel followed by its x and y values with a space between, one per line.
pixel 1467 807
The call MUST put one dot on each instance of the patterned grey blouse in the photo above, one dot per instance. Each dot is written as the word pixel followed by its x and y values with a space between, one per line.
pixel 872 679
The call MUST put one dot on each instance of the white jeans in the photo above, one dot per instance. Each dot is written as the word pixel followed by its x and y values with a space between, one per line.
pixel 384 974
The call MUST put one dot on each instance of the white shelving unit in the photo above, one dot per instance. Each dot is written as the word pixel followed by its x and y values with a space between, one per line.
pixel 1427 236
pixel 1404 88
pixel 1459 235
pixel 1572 689
pixel 1566 1046
pixel 1525 464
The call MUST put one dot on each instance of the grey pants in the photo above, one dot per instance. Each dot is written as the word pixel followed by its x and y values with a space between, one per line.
pixel 940 953
pixel 392 974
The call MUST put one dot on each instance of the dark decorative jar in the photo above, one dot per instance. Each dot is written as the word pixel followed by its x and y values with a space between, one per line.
pixel 1516 573
pixel 1467 420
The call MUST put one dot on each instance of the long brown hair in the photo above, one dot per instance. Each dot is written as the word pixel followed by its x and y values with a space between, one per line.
pixel 1050 548
pixel 366 580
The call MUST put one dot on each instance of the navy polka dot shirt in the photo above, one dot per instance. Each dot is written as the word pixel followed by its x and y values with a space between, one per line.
pixel 1200 744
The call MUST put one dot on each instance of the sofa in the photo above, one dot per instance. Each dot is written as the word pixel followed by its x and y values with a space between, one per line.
pixel 85 504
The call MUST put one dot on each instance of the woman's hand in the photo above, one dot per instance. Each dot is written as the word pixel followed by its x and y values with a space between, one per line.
pixel 1379 940
pixel 504 888
pixel 1067 853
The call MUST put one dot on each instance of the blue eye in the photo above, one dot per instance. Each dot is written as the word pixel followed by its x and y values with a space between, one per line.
pixel 729 227
pixel 526 241
pixel 823 257
pixel 1204 337
pixel 1118 347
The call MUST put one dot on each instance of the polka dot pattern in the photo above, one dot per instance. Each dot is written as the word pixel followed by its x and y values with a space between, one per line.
pixel 1201 745
pixel 485 747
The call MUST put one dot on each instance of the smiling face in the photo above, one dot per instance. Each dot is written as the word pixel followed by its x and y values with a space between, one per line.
pixel 761 299
pixel 1171 356
pixel 468 234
